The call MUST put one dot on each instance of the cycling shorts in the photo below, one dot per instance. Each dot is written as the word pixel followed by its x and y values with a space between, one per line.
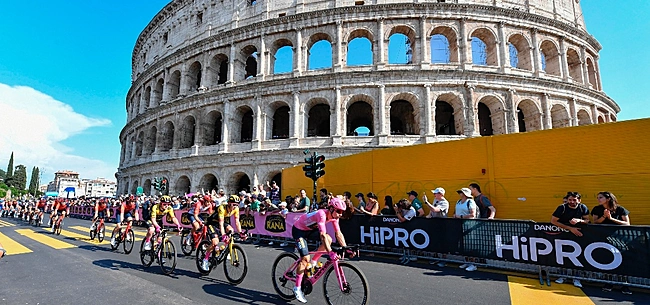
pixel 42 209
pixel 302 236
pixel 60 212
pixel 127 215
pixel 193 219
pixel 101 215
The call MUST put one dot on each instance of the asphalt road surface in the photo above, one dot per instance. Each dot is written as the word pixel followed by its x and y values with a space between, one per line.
pixel 70 269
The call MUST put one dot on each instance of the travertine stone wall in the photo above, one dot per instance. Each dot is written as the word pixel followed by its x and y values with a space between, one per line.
pixel 205 108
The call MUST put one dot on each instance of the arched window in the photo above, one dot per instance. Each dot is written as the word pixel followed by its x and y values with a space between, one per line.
pixel 320 55
pixel 139 144
pixel 245 115
pixel 318 124
pixel 575 65
pixel 399 49
pixel 187 132
pixel 242 182
pixel 212 128
pixel 528 116
pixel 491 116
pixel 194 76
pixel 250 58
pixel 484 48
pixel 174 84
pixel 514 55
pixel 583 118
pixel 208 183
pixel 519 50
pixel 281 123
pixel 218 69
pixel 360 114
pixel 559 116
pixel 550 58
pixel 150 141
pixel 283 60
pixel 440 53
pixel 484 120
pixel 402 118
pixel 183 186
pixel 591 70
pixel 359 52
pixel 158 93
pixel 167 141
pixel 146 98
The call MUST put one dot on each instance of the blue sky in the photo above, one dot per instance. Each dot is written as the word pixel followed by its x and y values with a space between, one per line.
pixel 65 70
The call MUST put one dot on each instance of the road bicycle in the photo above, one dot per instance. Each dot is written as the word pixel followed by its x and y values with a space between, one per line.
pixel 235 265
pixel 348 286
pixel 190 241
pixel 56 224
pixel 99 231
pixel 124 236
pixel 163 251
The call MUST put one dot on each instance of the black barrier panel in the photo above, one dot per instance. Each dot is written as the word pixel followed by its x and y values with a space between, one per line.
pixel 247 221
pixel 602 248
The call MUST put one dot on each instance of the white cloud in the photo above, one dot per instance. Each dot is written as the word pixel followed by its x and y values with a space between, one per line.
pixel 33 126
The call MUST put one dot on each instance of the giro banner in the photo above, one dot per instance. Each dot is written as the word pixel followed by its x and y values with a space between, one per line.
pixel 623 250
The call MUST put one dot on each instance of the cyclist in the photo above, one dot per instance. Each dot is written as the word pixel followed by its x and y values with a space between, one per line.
pixel 40 206
pixel 61 209
pixel 217 219
pixel 306 226
pixel 101 212
pixel 157 212
pixel 127 210
pixel 203 206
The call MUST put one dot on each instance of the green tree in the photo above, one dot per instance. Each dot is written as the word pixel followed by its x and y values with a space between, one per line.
pixel 3 174
pixel 19 179
pixel 10 166
pixel 33 181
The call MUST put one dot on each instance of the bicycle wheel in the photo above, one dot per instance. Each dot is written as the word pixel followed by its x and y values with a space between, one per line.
pixel 167 257
pixel 235 265
pixel 146 256
pixel 185 247
pixel 200 254
pixel 355 287
pixel 282 285
pixel 115 236
pixel 101 233
pixel 57 230
pixel 128 242
pixel 93 233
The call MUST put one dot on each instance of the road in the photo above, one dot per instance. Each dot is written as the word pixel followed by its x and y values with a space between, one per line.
pixel 70 269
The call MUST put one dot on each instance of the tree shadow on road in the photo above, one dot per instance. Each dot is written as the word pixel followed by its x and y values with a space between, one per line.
pixel 95 248
pixel 240 295
pixel 153 269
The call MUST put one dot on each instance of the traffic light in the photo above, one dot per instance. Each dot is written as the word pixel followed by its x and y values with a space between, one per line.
pixel 164 185
pixel 319 166
pixel 309 168
pixel 156 183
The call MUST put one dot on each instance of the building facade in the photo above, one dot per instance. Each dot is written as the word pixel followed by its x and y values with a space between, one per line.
pixel 213 105
pixel 99 187
pixel 67 184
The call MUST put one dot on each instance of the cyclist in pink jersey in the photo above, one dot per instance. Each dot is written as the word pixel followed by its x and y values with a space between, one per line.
pixel 311 223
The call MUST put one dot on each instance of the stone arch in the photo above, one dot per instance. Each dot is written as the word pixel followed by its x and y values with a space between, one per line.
pixel 402 41
pixel 484 47
pixel 126 188
pixel 168 133
pixel 240 181
pixel 150 140
pixel 134 187
pixel 281 50
pixel 601 119
pixel 174 84
pixel 244 120
pixel 250 63
pixel 528 116
pixel 278 126
pixel 591 71
pixel 361 41
pixel 360 113
pixel 519 47
pixel 183 185
pixel 212 127
pixel 158 93
pixel 404 114
pixel 146 187
pixel 444 45
pixel 187 132
pixel 612 117
pixel 550 58
pixel 491 116
pixel 450 119
pixel 193 80
pixel 559 116
pixel 208 183
pixel 277 177
pixel 139 143
pixel 218 71
pixel 318 118
pixel 584 118
pixel 575 65
pixel 146 98
pixel 319 45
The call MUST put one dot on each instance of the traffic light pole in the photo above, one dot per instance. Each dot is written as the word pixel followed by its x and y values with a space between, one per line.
pixel 314 170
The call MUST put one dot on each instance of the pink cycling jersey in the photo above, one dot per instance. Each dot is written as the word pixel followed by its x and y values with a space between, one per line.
pixel 314 220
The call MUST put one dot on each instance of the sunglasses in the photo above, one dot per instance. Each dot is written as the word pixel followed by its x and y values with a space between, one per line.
pixel 339 211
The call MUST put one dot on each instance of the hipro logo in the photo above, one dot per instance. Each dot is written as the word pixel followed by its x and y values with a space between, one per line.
pixel 522 251
pixel 379 236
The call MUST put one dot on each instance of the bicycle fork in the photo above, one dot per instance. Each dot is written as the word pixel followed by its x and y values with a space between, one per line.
pixel 339 275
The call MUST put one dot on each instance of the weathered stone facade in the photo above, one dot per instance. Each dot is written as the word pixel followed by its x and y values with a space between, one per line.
pixel 205 107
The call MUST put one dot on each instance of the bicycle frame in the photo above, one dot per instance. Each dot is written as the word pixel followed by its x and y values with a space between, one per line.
pixel 198 237
pixel 126 230
pixel 314 278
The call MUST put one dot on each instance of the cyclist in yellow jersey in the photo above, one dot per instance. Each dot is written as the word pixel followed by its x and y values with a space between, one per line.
pixel 216 227
pixel 155 219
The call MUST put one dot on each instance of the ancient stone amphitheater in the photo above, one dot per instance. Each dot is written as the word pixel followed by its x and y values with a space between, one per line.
pixel 226 93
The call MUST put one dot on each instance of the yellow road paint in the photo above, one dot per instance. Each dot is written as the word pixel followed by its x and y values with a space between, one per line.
pixel 6 224
pixel 84 238
pixel 44 239
pixel 109 231
pixel 529 291
pixel 12 246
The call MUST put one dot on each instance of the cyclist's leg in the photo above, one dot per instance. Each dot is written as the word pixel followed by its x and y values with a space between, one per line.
pixel 150 231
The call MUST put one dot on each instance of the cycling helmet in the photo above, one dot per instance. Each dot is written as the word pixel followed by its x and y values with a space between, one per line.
pixel 338 204
pixel 131 198
pixel 207 198
pixel 166 199
pixel 233 198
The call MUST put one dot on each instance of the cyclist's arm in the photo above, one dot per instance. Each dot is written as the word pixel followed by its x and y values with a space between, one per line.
pixel 135 212
pixel 237 224
pixel 197 210
pixel 340 239
pixel 122 212
pixel 96 210
pixel 221 224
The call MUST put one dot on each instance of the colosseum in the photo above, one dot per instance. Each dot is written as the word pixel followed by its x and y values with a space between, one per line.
pixel 227 93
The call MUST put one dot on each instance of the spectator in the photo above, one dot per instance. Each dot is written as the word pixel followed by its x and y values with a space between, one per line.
pixel 349 212
pixel 372 206
pixel 404 210
pixel 485 207
pixel 416 203
pixel 389 208
pixel 324 199
pixel 283 209
pixel 275 192
pixel 609 212
pixel 362 202
pixel 221 197
pixel 440 206
pixel 304 205
pixel 466 209
pixel 567 216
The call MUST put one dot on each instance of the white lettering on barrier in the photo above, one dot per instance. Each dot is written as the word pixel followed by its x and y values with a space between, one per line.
pixel 379 236
pixel 521 251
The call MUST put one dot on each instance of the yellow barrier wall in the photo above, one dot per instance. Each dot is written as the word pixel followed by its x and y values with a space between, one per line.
pixel 526 175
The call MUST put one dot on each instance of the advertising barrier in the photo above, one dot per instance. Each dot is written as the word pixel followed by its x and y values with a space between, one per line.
pixel 619 250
